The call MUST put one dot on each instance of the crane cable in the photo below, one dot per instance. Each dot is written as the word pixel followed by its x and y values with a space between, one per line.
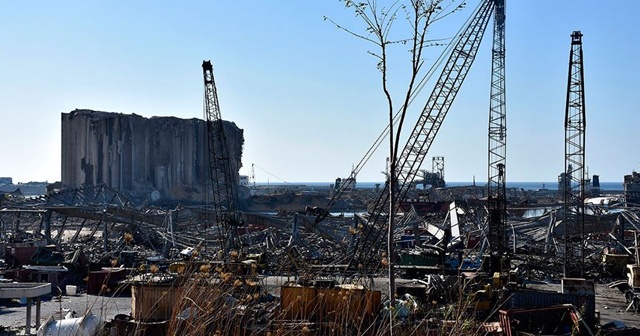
pixel 416 91
pixel 421 84
pixel 255 165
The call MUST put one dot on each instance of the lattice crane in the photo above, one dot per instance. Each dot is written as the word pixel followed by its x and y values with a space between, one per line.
pixel 424 132
pixel 225 187
pixel 575 124
pixel 496 186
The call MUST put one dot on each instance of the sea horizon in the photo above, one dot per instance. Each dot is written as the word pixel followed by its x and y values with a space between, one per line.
pixel 613 186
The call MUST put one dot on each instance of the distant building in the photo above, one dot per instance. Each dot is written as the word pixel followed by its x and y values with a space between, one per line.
pixel 349 182
pixel 632 188
pixel 595 186
pixel 25 189
pixel 244 180
pixel 564 184
pixel 591 187
pixel 6 181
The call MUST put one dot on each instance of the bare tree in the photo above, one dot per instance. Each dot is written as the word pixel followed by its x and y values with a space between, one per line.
pixel 378 23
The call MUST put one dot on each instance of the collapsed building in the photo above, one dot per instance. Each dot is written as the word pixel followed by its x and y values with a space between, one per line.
pixel 632 188
pixel 148 159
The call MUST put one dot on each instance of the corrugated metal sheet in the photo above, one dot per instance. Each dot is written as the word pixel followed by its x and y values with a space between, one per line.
pixel 153 302
pixel 329 304
pixel 105 280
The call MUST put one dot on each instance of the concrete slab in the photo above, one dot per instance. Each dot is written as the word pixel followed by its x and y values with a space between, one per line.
pixel 23 290
pixel 29 290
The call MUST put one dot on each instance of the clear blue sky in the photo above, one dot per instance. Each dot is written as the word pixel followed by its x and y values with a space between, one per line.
pixel 307 95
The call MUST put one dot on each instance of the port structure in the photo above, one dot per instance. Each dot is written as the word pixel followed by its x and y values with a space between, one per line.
pixel 575 123
pixel 437 167
pixel 225 192
pixel 497 162
pixel 446 88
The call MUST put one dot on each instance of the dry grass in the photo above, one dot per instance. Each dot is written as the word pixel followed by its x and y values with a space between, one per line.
pixel 207 298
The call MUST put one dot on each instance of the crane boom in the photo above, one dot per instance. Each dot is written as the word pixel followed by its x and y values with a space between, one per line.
pixel 224 186
pixel 575 125
pixel 427 126
pixel 497 170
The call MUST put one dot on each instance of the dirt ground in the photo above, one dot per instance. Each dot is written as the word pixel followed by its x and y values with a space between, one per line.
pixel 609 302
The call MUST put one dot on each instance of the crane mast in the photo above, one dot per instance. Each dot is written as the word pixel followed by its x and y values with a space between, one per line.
pixel 224 186
pixel 574 163
pixel 496 187
pixel 425 129
pixel 437 167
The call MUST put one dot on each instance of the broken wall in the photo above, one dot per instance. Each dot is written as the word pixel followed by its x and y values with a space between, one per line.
pixel 147 158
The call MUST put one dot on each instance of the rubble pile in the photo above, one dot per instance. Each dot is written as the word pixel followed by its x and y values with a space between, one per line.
pixel 96 240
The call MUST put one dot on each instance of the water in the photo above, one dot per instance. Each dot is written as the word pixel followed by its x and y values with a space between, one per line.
pixel 613 186
pixel 609 186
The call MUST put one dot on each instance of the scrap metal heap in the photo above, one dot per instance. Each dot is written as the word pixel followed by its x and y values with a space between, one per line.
pixel 164 237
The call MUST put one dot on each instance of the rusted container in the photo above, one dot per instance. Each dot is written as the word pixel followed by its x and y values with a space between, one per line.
pixel 153 302
pixel 531 299
pixel 578 286
pixel 23 253
pixel 106 280
pixel 339 304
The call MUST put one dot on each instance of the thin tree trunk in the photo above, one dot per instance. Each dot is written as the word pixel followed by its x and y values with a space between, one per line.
pixel 390 252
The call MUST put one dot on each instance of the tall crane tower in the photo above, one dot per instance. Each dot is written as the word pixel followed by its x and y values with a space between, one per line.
pixel 575 124
pixel 225 187
pixel 415 150
pixel 437 167
pixel 496 188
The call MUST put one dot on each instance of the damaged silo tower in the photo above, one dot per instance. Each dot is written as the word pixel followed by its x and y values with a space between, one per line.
pixel 147 158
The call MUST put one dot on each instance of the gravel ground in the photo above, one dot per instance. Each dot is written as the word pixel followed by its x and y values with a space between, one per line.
pixel 13 313
pixel 610 303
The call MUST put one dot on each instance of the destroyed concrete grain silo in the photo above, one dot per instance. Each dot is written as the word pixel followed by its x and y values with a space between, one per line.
pixel 145 158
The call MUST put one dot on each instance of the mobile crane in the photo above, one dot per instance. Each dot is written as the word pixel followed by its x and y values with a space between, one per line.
pixel 423 134
pixel 221 168
pixel 574 190
pixel 497 170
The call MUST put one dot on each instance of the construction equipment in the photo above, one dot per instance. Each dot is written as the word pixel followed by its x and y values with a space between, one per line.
pixel 420 140
pixel 225 184
pixel 437 167
pixel 574 162
pixel 497 170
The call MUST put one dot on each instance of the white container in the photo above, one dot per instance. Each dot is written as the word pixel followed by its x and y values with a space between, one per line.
pixel 71 290
pixel 88 325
